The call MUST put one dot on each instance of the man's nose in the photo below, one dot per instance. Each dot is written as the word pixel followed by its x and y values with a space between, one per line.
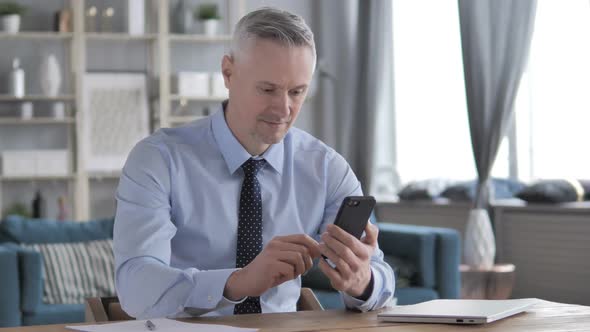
pixel 282 105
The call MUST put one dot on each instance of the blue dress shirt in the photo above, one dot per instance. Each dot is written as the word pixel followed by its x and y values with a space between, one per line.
pixel 177 217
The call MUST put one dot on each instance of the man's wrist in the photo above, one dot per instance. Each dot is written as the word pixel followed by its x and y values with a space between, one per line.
pixel 232 290
pixel 366 294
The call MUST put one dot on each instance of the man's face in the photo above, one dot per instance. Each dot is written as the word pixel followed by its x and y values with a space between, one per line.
pixel 267 85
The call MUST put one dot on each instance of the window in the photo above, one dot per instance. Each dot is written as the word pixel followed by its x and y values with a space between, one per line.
pixel 553 104
pixel 552 108
pixel 432 126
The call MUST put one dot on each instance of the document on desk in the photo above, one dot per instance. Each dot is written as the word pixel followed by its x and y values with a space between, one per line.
pixel 161 325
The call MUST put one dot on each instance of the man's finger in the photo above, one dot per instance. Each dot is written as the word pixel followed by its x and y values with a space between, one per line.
pixel 335 277
pixel 293 247
pixel 341 265
pixel 371 235
pixel 341 250
pixel 294 258
pixel 304 240
pixel 347 240
pixel 283 272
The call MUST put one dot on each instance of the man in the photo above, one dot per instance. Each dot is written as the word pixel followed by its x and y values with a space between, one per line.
pixel 223 215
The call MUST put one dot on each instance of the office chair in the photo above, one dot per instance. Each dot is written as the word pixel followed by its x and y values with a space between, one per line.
pixel 106 309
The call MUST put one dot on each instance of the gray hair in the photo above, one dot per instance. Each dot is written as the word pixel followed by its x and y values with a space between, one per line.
pixel 273 24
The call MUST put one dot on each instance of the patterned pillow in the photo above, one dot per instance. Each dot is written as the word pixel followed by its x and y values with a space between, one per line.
pixel 74 271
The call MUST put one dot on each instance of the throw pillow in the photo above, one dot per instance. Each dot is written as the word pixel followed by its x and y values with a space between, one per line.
pixel 466 191
pixel 555 191
pixel 74 271
pixel 423 190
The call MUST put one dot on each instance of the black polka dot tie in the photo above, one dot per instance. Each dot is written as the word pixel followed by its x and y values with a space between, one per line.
pixel 249 228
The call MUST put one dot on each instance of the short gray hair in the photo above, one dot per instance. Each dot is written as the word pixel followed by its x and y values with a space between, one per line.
pixel 273 24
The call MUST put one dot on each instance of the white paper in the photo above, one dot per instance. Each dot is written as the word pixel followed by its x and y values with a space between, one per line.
pixel 162 325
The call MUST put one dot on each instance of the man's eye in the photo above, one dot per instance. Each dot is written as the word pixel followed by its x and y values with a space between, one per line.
pixel 296 92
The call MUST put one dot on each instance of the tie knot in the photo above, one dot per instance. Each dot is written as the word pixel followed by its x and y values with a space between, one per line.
pixel 252 166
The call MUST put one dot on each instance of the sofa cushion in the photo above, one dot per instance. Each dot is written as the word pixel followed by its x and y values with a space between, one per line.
pixel 404 270
pixel 10 314
pixel 74 271
pixel 413 295
pixel 55 314
pixel 26 230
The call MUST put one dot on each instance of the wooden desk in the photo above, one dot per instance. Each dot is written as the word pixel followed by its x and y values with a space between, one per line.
pixel 545 316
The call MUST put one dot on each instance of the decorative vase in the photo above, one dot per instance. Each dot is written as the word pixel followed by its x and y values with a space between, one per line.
pixel 10 23
pixel 50 75
pixel 480 245
pixel 210 27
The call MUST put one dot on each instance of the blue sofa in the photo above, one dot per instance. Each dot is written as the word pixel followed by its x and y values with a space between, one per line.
pixel 21 284
pixel 433 254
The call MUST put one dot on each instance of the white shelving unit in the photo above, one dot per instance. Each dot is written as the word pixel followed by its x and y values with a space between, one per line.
pixel 35 121
pixel 160 40
pixel 6 98
pixel 37 35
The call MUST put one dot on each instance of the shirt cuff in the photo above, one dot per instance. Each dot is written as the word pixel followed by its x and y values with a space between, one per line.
pixel 207 295
pixel 364 306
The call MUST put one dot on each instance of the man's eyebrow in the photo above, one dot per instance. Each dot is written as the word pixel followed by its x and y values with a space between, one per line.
pixel 302 86
pixel 267 83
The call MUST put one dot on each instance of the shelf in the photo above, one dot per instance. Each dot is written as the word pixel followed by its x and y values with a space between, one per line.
pixel 104 175
pixel 8 98
pixel 37 178
pixel 176 120
pixel 35 121
pixel 33 35
pixel 120 36
pixel 196 38
pixel 203 99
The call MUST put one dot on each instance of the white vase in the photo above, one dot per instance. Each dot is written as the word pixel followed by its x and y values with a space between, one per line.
pixel 210 27
pixel 10 23
pixel 480 245
pixel 50 75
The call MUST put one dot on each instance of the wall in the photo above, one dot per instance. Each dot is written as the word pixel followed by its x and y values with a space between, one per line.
pixel 101 56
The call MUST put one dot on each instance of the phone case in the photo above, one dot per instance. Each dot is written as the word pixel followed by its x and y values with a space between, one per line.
pixel 354 213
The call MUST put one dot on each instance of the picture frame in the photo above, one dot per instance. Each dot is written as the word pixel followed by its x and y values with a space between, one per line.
pixel 115 117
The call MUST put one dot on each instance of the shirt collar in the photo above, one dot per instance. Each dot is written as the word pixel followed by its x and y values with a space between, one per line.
pixel 233 152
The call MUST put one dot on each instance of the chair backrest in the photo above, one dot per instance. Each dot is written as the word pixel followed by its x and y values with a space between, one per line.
pixel 106 309
pixel 308 301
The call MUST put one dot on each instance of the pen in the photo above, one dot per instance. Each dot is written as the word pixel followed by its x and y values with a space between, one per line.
pixel 150 326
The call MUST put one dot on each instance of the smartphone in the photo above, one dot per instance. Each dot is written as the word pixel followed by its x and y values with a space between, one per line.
pixel 353 216
pixel 354 213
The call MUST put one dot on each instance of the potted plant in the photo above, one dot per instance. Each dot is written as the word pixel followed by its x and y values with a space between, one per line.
pixel 209 16
pixel 10 13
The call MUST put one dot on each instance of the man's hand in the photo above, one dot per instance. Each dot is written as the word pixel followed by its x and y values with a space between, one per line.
pixel 283 259
pixel 351 256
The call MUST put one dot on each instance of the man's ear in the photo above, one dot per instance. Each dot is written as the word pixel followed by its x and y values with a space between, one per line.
pixel 227 66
